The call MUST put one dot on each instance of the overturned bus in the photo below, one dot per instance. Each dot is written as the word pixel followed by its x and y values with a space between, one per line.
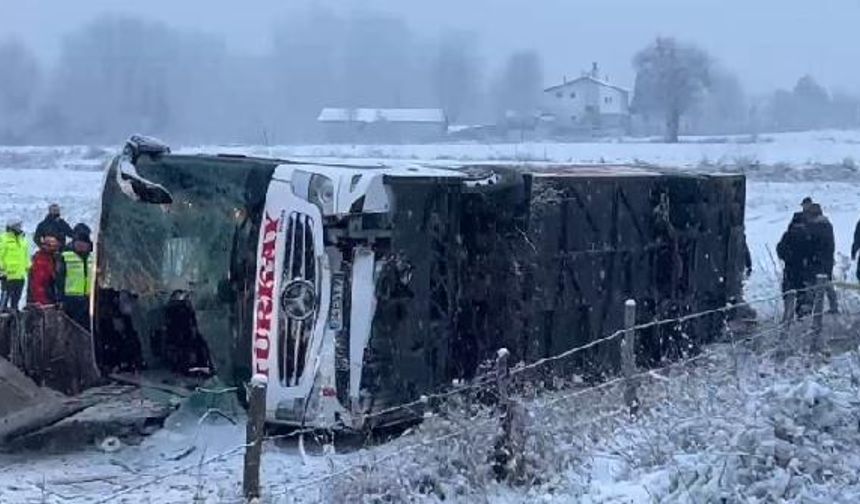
pixel 356 287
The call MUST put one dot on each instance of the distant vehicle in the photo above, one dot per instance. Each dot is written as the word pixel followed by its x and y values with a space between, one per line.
pixel 356 287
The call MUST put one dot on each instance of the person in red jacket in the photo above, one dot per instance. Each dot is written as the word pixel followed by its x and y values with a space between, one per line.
pixel 45 277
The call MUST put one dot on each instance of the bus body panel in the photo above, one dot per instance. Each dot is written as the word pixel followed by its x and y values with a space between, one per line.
pixel 356 288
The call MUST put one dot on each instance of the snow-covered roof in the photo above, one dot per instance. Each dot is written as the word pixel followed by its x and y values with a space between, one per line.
pixel 586 78
pixel 372 115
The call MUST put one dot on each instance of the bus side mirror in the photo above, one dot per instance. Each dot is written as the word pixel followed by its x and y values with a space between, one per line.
pixel 138 188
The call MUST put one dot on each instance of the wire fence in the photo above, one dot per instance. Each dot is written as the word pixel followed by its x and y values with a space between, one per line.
pixel 622 412
pixel 490 415
pixel 487 380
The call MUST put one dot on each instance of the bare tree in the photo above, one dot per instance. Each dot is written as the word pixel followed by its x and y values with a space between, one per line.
pixel 810 106
pixel 111 78
pixel 305 66
pixel 19 82
pixel 670 78
pixel 781 111
pixel 811 103
pixel 361 59
pixel 723 107
pixel 845 110
pixel 456 73
pixel 518 87
pixel 379 61
pixel 119 75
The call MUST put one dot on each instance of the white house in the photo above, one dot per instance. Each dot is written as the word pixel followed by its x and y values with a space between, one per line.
pixel 587 105
pixel 370 125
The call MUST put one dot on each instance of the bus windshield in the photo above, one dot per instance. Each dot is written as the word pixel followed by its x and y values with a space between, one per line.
pixel 176 279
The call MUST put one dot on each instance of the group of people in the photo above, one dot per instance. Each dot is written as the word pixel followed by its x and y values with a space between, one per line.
pixel 59 273
pixel 807 250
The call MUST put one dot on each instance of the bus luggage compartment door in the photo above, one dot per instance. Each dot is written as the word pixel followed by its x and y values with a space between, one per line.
pixel 362 309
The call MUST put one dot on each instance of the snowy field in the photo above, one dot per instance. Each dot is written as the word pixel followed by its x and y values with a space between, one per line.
pixel 806 149
pixel 715 450
pixel 781 170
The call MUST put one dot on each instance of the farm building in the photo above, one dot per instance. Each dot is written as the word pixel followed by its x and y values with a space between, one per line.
pixel 587 106
pixel 392 125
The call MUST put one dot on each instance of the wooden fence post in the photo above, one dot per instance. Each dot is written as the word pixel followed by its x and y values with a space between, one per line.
pixel 821 282
pixel 254 435
pixel 628 356
pixel 790 301
pixel 502 374
pixel 504 449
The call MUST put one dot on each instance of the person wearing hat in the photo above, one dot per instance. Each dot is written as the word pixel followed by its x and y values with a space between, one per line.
pixel 14 264
pixel 76 275
pixel 53 224
pixel 803 214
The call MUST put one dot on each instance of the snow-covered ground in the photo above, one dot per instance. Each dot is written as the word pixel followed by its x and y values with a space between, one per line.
pixel 782 170
pixel 808 148
pixel 748 421
pixel 759 421
pixel 785 150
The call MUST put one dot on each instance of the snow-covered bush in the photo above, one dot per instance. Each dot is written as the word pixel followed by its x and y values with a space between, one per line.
pixel 741 423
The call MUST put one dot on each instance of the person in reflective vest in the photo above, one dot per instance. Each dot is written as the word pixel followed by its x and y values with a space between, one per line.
pixel 77 276
pixel 14 265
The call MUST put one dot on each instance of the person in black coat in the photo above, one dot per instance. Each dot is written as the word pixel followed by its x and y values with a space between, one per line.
pixel 855 247
pixel 53 224
pixel 823 251
pixel 795 249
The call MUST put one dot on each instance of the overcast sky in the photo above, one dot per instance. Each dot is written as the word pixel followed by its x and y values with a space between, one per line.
pixel 769 43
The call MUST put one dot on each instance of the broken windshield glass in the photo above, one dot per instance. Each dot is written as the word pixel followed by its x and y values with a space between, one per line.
pixel 200 247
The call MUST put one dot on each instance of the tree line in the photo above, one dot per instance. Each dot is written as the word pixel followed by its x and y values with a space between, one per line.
pixel 676 80
pixel 117 75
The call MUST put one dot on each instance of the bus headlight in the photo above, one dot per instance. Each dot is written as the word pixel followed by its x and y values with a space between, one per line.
pixel 321 193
